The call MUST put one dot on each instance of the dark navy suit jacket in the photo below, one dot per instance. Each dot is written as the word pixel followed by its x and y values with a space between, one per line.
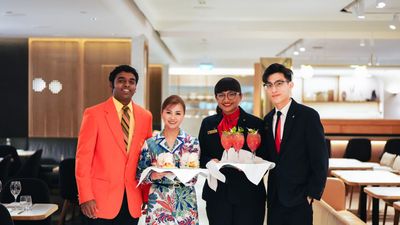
pixel 302 164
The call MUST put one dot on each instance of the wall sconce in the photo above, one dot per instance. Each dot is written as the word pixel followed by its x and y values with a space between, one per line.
pixel 55 86
pixel 38 85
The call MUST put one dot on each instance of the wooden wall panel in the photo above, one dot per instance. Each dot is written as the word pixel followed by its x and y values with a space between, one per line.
pixel 362 127
pixel 54 115
pixel 155 94
pixel 82 66
pixel 258 91
pixel 100 58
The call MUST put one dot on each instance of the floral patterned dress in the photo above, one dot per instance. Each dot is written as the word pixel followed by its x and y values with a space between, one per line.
pixel 170 201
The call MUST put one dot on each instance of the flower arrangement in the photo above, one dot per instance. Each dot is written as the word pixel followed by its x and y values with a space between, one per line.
pixel 165 160
pixel 190 160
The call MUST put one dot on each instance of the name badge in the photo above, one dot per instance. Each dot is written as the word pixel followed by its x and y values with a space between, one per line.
pixel 212 131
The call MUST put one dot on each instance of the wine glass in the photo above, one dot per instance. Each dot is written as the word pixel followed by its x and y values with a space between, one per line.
pixel 15 188
pixel 238 142
pixel 226 141
pixel 253 141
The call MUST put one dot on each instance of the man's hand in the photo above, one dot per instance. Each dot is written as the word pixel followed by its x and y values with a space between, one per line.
pixel 89 209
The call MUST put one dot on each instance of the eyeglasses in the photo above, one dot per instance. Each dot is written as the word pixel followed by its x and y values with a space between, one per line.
pixel 277 84
pixel 229 95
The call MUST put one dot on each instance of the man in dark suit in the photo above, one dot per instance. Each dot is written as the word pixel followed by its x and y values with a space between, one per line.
pixel 296 143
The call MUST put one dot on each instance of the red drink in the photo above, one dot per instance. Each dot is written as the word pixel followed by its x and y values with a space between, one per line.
pixel 226 141
pixel 238 141
pixel 253 141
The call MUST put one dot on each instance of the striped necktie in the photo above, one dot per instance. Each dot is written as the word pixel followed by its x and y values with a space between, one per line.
pixel 125 124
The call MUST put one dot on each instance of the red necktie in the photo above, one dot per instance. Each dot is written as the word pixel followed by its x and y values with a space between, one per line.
pixel 278 132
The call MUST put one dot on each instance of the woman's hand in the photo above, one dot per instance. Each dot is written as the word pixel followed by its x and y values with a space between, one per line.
pixel 215 160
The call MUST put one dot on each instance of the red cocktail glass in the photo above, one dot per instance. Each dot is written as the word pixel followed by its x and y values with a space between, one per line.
pixel 253 141
pixel 238 142
pixel 226 141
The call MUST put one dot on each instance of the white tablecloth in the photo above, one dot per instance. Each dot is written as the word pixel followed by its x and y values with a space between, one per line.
pixel 253 169
pixel 184 175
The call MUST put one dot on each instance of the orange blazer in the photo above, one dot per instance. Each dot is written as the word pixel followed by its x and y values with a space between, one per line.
pixel 103 167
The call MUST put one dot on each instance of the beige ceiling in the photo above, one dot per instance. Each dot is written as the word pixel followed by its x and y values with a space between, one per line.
pixel 227 33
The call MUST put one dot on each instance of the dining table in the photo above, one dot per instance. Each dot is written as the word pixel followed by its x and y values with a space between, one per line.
pixel 38 211
pixel 387 194
pixel 363 178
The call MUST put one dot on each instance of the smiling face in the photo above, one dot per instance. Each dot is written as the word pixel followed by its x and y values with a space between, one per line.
pixel 228 101
pixel 124 87
pixel 279 93
pixel 172 116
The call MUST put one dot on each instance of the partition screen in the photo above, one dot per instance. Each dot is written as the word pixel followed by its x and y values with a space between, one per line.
pixel 14 87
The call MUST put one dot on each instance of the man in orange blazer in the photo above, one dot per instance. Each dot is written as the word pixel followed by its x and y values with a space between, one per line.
pixel 111 137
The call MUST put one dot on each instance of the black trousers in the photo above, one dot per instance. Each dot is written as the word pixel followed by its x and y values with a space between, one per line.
pixel 222 212
pixel 297 215
pixel 123 217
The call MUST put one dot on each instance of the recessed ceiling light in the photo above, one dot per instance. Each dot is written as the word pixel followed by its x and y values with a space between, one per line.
pixel 380 4
pixel 362 43
pixel 395 22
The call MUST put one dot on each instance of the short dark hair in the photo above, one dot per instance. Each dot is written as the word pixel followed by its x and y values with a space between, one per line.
pixel 173 100
pixel 227 84
pixel 122 68
pixel 277 68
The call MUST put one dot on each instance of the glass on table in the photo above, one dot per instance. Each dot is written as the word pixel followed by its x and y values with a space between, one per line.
pixel 15 189
pixel 25 202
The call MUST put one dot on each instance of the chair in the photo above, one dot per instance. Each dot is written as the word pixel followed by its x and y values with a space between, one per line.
pixel 4 168
pixel 392 146
pixel 358 148
pixel 30 186
pixel 5 216
pixel 31 167
pixel 16 161
pixel 68 187
pixel 335 193
pixel 328 146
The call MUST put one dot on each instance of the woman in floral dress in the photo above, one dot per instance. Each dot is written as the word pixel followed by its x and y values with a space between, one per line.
pixel 170 201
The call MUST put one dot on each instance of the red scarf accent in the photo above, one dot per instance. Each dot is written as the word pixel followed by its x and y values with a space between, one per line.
pixel 228 121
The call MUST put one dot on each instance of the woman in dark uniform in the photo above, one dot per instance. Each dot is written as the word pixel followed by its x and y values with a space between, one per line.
pixel 237 201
